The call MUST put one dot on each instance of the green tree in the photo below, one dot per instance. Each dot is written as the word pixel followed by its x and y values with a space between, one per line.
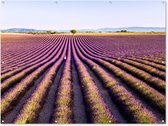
pixel 73 31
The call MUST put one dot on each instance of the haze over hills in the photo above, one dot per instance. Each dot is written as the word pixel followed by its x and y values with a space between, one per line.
pixel 21 30
pixel 129 29
pixel 136 29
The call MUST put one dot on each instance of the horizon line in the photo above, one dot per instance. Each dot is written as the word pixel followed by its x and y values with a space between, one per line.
pixel 86 28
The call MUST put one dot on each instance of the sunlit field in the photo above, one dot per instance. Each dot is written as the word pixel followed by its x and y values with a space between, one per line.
pixel 83 78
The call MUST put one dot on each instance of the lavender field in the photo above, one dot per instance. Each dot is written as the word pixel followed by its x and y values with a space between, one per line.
pixel 83 79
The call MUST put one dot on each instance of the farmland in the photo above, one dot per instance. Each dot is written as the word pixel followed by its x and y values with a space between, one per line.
pixel 83 78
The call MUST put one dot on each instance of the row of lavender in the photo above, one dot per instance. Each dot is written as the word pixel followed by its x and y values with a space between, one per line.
pixel 148 81
pixel 131 45
pixel 17 84
pixel 151 95
pixel 25 54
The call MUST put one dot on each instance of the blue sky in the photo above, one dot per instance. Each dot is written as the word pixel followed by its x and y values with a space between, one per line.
pixel 81 15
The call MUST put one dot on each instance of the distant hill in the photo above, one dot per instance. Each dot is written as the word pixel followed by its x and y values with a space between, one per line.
pixel 21 30
pixel 130 29
pixel 135 29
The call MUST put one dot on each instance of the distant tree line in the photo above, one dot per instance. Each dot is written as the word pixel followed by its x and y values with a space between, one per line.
pixel 73 31
pixel 123 31
pixel 47 32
